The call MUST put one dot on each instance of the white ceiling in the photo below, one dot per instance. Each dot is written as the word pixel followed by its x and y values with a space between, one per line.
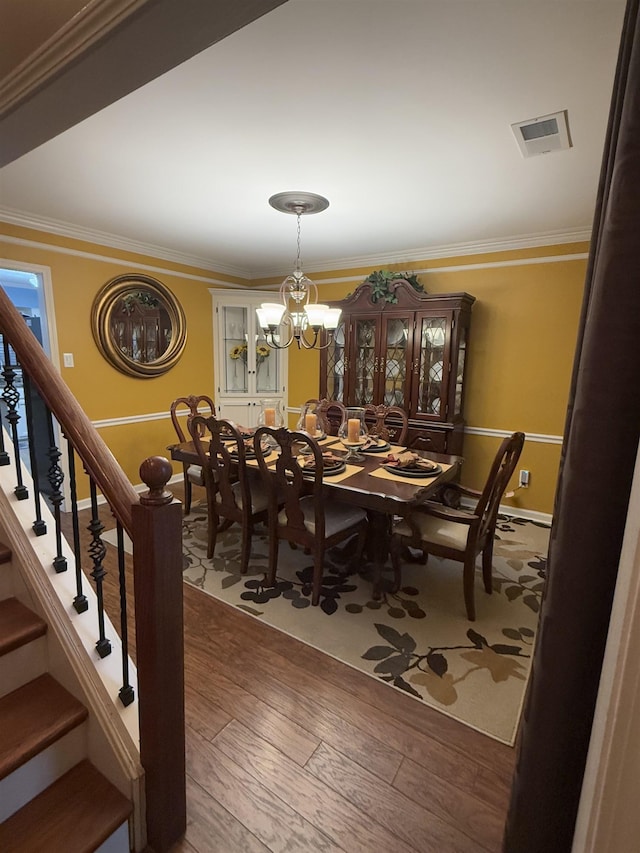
pixel 397 111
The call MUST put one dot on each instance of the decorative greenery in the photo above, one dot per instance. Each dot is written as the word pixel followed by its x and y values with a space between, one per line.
pixel 380 282
pixel 141 297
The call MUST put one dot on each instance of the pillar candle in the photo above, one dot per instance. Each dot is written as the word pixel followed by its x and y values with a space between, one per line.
pixel 353 430
pixel 310 423
pixel 270 417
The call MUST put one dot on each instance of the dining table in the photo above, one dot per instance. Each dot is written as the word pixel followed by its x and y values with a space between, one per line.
pixel 370 484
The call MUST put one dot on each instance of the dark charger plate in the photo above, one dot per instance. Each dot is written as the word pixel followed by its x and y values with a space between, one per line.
pixel 330 468
pixel 413 472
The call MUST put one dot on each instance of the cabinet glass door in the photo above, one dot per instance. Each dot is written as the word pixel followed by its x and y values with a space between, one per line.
pixel 267 364
pixel 363 364
pixel 335 356
pixel 462 352
pixel 235 351
pixel 395 334
pixel 432 361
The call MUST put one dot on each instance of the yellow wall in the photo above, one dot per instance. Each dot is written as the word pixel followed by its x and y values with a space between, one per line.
pixel 102 391
pixel 522 342
pixel 523 336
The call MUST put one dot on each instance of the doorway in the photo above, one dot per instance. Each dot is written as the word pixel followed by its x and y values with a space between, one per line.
pixel 29 289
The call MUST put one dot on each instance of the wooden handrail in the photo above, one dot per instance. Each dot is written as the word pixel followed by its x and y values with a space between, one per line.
pixel 98 460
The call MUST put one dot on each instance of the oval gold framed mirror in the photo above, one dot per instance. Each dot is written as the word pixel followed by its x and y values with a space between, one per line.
pixel 139 325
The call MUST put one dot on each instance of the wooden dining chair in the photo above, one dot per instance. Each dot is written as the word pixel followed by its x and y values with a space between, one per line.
pixel 332 413
pixel 298 509
pixel 235 493
pixel 192 473
pixel 461 534
pixel 390 423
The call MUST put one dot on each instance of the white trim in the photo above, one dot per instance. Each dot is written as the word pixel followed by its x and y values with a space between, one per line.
pixel 112 241
pixel 608 817
pixel 516 512
pixel 108 259
pixel 130 419
pixel 539 438
pixel 507 244
pixel 135 419
pixel 67 229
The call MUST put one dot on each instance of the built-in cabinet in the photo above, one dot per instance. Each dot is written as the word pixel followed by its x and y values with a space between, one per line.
pixel 410 353
pixel 246 369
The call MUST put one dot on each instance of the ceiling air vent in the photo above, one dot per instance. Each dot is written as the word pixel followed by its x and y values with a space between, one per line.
pixel 543 134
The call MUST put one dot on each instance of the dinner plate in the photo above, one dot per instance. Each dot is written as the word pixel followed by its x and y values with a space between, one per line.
pixel 248 454
pixel 243 435
pixel 412 472
pixel 395 333
pixel 330 468
pixel 377 448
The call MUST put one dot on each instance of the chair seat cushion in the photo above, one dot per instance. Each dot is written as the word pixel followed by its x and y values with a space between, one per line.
pixel 337 516
pixel 259 497
pixel 195 475
pixel 449 534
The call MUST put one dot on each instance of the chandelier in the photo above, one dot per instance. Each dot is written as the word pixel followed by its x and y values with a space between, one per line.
pixel 298 316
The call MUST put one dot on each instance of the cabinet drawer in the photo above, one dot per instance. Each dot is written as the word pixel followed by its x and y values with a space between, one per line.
pixel 429 439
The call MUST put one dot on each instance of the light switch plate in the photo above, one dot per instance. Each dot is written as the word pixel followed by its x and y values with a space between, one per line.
pixel 68 359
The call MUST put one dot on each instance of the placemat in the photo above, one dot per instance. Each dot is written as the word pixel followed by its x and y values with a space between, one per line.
pixel 415 481
pixel 268 459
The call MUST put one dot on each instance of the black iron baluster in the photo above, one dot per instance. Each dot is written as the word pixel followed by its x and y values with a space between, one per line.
pixel 126 693
pixel 39 525
pixel 55 477
pixel 97 551
pixel 11 397
pixel 4 456
pixel 80 602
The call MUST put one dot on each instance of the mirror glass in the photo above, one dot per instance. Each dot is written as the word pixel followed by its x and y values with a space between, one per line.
pixel 138 325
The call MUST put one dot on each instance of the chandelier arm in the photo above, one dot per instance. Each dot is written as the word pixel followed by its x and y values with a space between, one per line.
pixel 272 343
pixel 305 342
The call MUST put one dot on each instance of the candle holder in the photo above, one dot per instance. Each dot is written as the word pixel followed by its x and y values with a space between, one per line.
pixel 270 416
pixel 353 432
pixel 310 421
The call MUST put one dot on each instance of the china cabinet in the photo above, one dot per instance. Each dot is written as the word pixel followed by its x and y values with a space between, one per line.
pixel 411 353
pixel 246 369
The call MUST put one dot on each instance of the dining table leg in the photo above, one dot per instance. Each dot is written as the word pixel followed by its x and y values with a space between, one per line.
pixel 378 549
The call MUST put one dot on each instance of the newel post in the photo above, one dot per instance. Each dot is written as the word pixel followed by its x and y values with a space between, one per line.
pixel 157 560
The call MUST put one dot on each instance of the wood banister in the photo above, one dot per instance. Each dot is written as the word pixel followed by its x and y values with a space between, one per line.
pixel 98 460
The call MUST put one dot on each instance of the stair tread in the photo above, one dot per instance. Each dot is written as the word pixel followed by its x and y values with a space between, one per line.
pixel 18 625
pixel 82 807
pixel 32 718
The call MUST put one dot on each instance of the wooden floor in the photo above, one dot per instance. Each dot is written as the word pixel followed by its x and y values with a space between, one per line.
pixel 290 750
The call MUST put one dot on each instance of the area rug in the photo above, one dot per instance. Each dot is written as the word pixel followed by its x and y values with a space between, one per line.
pixel 417 640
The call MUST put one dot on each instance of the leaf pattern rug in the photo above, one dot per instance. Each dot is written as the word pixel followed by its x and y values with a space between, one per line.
pixel 417 640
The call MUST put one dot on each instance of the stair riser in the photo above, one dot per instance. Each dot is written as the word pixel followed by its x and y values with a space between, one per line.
pixel 117 842
pixel 6 581
pixel 22 665
pixel 31 778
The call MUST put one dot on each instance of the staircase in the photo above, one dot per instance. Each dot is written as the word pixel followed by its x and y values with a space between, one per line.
pixel 51 797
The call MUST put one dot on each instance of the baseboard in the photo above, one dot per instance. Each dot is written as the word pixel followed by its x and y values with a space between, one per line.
pixel 515 512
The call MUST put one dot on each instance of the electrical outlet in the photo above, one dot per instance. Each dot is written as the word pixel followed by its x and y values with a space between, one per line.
pixel 525 475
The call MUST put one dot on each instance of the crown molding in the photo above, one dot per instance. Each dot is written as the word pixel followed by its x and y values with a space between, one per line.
pixel 75 37
pixel 114 241
pixel 450 250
